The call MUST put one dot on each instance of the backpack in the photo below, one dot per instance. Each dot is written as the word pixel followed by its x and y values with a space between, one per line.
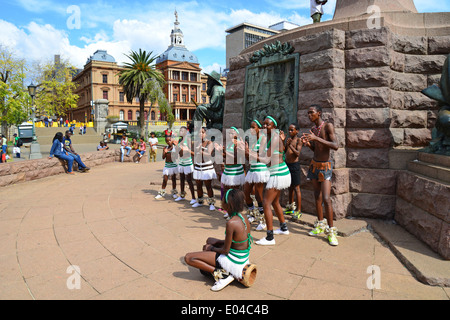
pixel 19 142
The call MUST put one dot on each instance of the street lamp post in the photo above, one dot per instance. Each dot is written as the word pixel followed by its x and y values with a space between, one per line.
pixel 35 148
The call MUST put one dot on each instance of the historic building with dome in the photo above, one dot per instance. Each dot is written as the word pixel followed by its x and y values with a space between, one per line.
pixel 185 85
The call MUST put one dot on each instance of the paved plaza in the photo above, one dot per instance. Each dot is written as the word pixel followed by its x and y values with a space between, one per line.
pixel 107 227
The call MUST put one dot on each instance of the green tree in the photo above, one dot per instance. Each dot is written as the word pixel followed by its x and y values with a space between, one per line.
pixel 14 98
pixel 155 93
pixel 56 89
pixel 132 78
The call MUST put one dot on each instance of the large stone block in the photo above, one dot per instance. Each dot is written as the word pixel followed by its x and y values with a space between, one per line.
pixel 377 206
pixel 236 76
pixel 234 106
pixel 235 91
pixel 420 223
pixel 379 97
pixel 398 136
pixel 240 61
pixel 368 138
pixel 424 63
pixel 377 181
pixel 335 116
pixel 333 38
pixel 340 204
pixel 368 158
pixel 367 118
pixel 367 38
pixel 418 101
pixel 417 137
pixel 439 44
pixel 322 79
pixel 232 119
pixel 397 61
pixel 409 44
pixel 408 81
pixel 339 158
pixel 326 98
pixel 326 59
pixel 340 181
pixel 409 119
pixel 367 57
pixel 368 77
pixel 429 195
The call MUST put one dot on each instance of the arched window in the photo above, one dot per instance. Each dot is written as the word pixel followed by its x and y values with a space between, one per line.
pixel 130 115
pixel 121 115
pixel 153 116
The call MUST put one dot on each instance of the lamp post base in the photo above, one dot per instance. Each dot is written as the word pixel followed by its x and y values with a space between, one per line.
pixel 35 151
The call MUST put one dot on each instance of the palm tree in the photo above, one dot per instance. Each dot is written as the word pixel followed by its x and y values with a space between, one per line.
pixel 156 95
pixel 133 78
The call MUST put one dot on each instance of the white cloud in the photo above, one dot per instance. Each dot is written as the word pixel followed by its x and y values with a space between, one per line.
pixel 42 42
pixel 214 67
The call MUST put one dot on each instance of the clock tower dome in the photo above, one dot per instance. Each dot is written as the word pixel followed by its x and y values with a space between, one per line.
pixel 176 37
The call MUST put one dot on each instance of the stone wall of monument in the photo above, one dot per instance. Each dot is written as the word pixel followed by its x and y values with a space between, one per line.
pixel 369 83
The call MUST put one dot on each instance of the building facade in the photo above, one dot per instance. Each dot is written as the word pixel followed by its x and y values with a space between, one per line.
pixel 99 80
pixel 244 35
pixel 185 84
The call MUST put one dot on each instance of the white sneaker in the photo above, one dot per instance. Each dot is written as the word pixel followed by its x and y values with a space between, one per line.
pixel 211 207
pixel 226 215
pixel 193 201
pixel 250 219
pixel 222 283
pixel 180 198
pixel 196 205
pixel 261 226
pixel 158 196
pixel 279 231
pixel 265 242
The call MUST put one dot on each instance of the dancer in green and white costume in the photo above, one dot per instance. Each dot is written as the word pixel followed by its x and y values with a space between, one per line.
pixel 226 259
pixel 170 169
pixel 185 165
pixel 204 171
pixel 256 177
pixel 280 178
pixel 233 175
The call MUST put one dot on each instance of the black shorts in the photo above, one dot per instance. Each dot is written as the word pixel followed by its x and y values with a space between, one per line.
pixel 294 169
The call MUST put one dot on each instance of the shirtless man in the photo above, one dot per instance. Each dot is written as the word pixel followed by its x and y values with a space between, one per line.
pixel 321 139
pixel 292 149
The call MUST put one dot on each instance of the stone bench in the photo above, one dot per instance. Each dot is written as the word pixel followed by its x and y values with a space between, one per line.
pixel 21 171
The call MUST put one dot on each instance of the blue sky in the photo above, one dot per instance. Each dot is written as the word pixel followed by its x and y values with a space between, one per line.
pixel 39 29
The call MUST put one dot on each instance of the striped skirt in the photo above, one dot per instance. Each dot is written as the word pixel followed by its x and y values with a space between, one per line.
pixel 233 175
pixel 185 166
pixel 280 177
pixel 170 169
pixel 258 173
pixel 234 262
pixel 204 171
